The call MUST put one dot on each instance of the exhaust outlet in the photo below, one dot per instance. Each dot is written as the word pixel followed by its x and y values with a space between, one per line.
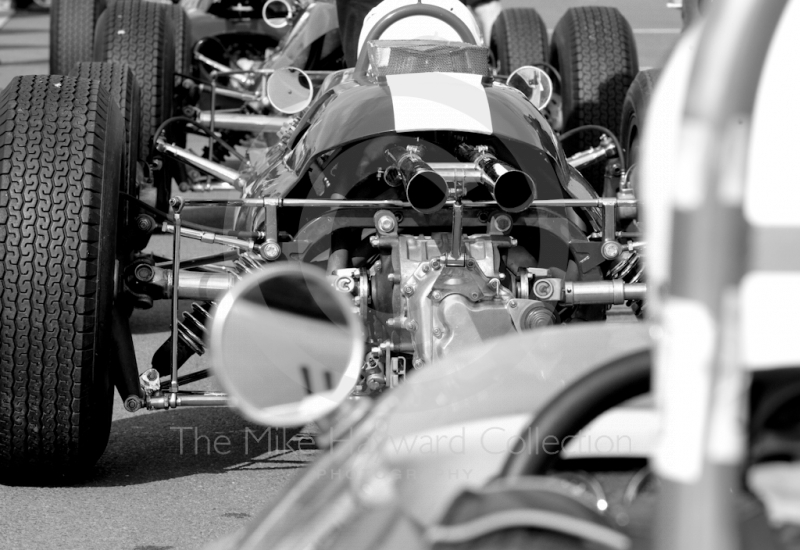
pixel 426 190
pixel 512 189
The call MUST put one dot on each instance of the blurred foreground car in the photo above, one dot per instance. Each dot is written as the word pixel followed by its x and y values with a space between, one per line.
pixel 418 470
pixel 437 198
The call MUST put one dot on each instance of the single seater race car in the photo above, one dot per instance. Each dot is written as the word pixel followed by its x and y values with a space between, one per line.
pixel 437 199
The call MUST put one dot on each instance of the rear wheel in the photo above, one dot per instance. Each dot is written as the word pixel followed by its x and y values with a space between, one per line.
pixel 140 35
pixel 519 37
pixel 72 24
pixel 594 50
pixel 61 153
pixel 634 110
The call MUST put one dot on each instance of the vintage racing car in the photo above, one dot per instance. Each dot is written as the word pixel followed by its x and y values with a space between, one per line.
pixel 437 199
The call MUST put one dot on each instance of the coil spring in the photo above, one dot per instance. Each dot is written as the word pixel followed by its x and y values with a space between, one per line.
pixel 246 264
pixel 631 269
pixel 192 330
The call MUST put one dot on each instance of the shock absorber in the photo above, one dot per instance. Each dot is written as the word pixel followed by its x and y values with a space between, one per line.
pixel 191 336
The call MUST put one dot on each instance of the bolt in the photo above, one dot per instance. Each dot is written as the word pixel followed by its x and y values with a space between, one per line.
pixel 411 326
pixel 419 363
pixel 133 403
pixel 437 332
pixel 475 295
pixel 156 165
pixel 386 224
pixel 408 290
pixel 494 284
pixel 152 375
pixel 393 278
pixel 502 223
pixel 610 250
pixel 144 273
pixel 270 251
pixel 543 289
pixel 512 304
pixel 145 223
pixel 437 295
pixel 437 265
pixel 470 263
pixel 425 268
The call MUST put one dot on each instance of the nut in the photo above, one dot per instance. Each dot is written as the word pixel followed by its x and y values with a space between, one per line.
pixel 426 268
pixel 408 290
pixel 386 224
pixel 436 264
pixel 610 250
pixel 270 251
pixel 475 295
pixel 437 295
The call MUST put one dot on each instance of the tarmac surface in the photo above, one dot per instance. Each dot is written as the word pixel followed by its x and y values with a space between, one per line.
pixel 179 479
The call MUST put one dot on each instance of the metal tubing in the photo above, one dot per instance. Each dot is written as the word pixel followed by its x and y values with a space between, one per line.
pixel 176 270
pixel 206 400
pixel 365 203
pixel 227 92
pixel 244 122
pixel 209 237
pixel 228 175
pixel 125 373
pixel 602 292
pixel 194 285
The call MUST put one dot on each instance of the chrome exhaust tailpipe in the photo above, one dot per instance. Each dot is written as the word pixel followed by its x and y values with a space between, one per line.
pixel 243 122
pixel 426 190
pixel 219 171
pixel 512 189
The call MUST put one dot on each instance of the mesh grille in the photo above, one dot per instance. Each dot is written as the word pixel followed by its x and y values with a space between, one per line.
pixel 388 57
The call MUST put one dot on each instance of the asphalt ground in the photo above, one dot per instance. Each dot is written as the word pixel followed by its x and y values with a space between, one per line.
pixel 179 479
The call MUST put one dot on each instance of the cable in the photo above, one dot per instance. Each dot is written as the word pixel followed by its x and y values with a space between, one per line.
pixel 586 127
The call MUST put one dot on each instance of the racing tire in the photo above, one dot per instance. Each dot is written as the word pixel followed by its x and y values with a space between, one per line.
pixel 182 40
pixel 61 164
pixel 634 110
pixel 72 24
pixel 118 80
pixel 594 50
pixel 519 37
pixel 140 35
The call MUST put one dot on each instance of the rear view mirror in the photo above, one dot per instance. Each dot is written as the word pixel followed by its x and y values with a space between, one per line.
pixel 534 83
pixel 286 346
pixel 289 90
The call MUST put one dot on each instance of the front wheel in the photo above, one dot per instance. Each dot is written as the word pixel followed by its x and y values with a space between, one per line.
pixel 62 147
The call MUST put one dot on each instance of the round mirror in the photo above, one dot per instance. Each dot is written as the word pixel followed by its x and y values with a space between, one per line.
pixel 286 346
pixel 277 13
pixel 289 90
pixel 534 83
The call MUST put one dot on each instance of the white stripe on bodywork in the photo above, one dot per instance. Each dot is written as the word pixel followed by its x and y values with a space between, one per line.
pixel 440 101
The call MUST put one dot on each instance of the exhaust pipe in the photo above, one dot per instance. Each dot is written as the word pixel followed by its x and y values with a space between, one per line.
pixel 512 189
pixel 427 191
